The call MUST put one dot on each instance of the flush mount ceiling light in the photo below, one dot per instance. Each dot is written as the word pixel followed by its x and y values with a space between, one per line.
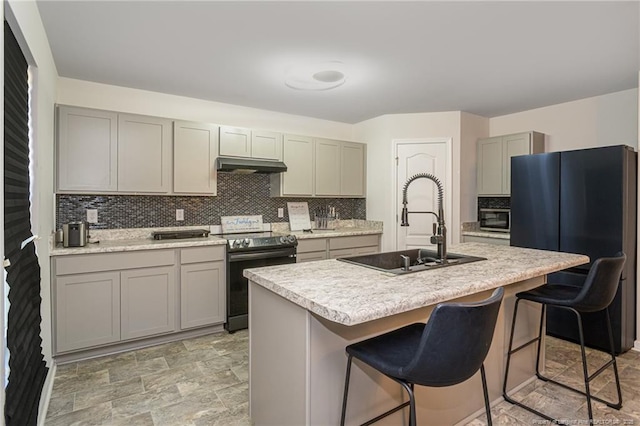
pixel 319 76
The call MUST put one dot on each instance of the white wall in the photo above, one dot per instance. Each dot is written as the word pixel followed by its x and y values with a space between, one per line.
pixel 379 133
pixel 116 98
pixel 472 127
pixel 24 18
pixel 599 121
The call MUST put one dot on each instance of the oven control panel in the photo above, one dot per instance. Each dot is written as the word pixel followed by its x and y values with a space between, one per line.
pixel 263 242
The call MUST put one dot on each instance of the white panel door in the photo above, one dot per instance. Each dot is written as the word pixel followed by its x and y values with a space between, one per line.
pixel 422 195
pixel 144 154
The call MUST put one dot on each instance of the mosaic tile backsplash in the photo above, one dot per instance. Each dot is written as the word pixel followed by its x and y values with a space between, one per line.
pixel 237 195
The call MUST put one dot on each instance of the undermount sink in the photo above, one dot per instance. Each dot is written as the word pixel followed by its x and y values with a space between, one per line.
pixel 419 260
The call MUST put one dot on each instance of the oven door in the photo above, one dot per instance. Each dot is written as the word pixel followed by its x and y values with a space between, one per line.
pixel 238 285
pixel 495 220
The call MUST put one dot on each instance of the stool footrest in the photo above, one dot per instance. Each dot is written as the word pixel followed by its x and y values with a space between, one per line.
pixel 385 414
pixel 524 345
pixel 617 405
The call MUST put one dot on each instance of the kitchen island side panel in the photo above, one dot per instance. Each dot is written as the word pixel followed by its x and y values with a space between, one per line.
pixel 280 333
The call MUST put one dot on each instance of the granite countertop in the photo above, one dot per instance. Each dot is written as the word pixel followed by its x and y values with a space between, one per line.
pixel 120 245
pixel 488 234
pixel 120 240
pixel 338 232
pixel 350 294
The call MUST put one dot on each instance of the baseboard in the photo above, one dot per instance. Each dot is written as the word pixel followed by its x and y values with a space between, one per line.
pixel 45 396
pixel 636 346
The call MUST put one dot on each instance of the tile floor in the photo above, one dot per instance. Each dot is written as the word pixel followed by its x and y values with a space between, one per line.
pixel 203 381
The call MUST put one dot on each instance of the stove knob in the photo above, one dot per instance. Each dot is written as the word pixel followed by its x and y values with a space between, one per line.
pixel 237 243
pixel 283 240
pixel 245 242
pixel 291 239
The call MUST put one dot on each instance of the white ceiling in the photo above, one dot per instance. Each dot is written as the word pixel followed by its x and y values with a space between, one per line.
pixel 486 58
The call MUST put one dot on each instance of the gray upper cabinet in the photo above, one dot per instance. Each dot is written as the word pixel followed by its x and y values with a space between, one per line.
pixel 241 142
pixel 494 160
pixel 87 150
pixel 320 167
pixel 352 169
pixel 327 167
pixel 103 151
pixel 144 154
pixel 267 145
pixel 235 141
pixel 298 155
pixel 195 148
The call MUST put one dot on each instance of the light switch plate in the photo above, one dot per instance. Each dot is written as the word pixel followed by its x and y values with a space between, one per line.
pixel 92 215
pixel 179 214
pixel 280 212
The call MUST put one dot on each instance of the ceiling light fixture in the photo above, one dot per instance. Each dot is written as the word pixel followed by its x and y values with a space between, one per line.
pixel 320 76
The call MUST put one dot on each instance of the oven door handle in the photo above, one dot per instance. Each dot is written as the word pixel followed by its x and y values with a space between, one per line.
pixel 238 257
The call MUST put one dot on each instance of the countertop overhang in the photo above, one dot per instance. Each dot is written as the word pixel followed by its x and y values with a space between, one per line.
pixel 349 294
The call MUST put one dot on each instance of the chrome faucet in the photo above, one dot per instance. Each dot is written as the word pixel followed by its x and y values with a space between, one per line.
pixel 439 236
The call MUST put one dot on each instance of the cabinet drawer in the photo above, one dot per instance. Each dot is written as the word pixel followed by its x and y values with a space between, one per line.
pixel 349 242
pixel 202 254
pixel 65 265
pixel 311 256
pixel 305 246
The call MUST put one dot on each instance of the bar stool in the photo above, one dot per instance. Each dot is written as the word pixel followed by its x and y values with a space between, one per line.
pixel 448 350
pixel 595 295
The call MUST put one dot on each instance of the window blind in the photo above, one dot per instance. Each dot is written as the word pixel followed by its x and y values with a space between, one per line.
pixel 27 369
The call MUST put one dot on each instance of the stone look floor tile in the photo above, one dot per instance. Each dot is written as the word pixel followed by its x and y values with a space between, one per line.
pixel 107 393
pixel 204 382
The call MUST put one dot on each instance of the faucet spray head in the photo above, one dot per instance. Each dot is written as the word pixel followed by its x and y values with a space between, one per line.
pixel 404 217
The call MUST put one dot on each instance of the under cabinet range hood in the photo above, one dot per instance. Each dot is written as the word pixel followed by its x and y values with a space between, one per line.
pixel 249 165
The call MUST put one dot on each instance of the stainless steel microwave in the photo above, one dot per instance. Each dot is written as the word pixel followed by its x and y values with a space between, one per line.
pixel 495 220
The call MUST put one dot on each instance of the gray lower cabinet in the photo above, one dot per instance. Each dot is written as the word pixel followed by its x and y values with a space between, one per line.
pixel 87 310
pixel 147 302
pixel 333 248
pixel 107 298
pixel 486 240
pixel 202 287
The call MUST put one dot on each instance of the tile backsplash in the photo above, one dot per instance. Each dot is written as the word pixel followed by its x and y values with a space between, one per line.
pixel 237 195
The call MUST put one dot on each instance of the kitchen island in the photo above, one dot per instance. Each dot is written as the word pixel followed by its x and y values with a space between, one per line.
pixel 302 316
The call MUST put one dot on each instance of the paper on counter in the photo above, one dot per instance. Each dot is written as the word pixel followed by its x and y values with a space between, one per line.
pixel 299 216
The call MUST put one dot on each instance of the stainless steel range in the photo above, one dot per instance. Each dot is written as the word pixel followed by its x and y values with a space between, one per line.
pixel 251 250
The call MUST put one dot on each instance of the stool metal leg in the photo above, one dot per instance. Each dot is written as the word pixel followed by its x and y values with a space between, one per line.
pixel 487 406
pixel 346 391
pixel 587 378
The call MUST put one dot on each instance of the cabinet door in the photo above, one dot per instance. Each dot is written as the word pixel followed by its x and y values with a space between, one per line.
pixel 327 167
pixel 87 150
pixel 87 310
pixel 513 145
pixel 352 169
pixel 490 166
pixel 202 294
pixel 311 256
pixel 298 156
pixel 195 148
pixel 346 252
pixel 267 145
pixel 148 301
pixel 144 154
pixel 235 141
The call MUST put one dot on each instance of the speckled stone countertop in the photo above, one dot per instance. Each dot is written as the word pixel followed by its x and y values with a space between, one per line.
pixel 488 234
pixel 349 294
pixel 118 240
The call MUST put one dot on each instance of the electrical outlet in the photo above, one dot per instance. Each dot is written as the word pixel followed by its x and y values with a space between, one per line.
pixel 280 212
pixel 92 215
pixel 179 214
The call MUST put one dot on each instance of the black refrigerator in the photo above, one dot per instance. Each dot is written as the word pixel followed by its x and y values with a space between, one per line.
pixel 583 202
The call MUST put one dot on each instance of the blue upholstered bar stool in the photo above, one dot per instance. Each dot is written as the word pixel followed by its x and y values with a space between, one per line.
pixel 595 295
pixel 447 350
